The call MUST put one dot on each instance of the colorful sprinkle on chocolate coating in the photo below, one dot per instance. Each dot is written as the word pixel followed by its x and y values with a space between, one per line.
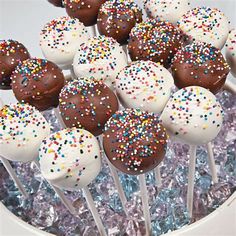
pixel 134 141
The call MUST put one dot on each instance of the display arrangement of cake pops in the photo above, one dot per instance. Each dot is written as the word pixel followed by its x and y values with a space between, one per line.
pixel 125 111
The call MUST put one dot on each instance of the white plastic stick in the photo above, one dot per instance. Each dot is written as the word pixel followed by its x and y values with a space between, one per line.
pixel 94 211
pixel 60 194
pixel 118 186
pixel 230 86
pixel 145 205
pixel 125 49
pixel 59 118
pixel 93 31
pixel 13 175
pixel 191 175
pixel 212 164
pixel 157 172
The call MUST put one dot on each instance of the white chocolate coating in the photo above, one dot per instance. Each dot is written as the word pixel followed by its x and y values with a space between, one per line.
pixel 101 58
pixel 231 51
pixel 168 10
pixel 70 159
pixel 145 85
pixel 205 24
pixel 60 39
pixel 22 129
pixel 193 115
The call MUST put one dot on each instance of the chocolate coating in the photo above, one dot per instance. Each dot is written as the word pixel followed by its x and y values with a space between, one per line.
pixel 87 104
pixel 84 10
pixel 38 82
pixel 200 64
pixel 154 40
pixel 57 3
pixel 134 141
pixel 116 18
pixel 11 53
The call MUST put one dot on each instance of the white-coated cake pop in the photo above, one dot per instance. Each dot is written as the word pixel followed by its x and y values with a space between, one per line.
pixel 205 24
pixel 60 39
pixel 193 115
pixel 168 10
pixel 102 58
pixel 145 85
pixel 231 51
pixel 70 159
pixel 22 129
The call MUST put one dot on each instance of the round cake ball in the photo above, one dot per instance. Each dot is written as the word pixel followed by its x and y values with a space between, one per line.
pixel 22 129
pixel 11 53
pixel 193 115
pixel 154 40
pixel 168 10
pixel 70 159
pixel 116 18
pixel 87 104
pixel 134 141
pixel 145 85
pixel 38 82
pixel 60 39
pixel 84 10
pixel 200 64
pixel 101 58
pixel 57 3
pixel 231 51
pixel 205 24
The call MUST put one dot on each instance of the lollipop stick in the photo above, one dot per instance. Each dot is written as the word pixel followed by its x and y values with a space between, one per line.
pixel 118 186
pixel 157 172
pixel 93 30
pixel 60 194
pixel 125 49
pixel 212 163
pixel 230 86
pixel 72 73
pixel 12 173
pixel 59 118
pixel 144 196
pixel 191 174
pixel 94 211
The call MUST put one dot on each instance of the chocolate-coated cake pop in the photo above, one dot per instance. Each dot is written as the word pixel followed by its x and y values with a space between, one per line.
pixel 154 40
pixel 70 158
pixel 231 51
pixel 84 10
pixel 87 104
pixel 193 116
pixel 200 64
pixel 57 3
pixel 116 18
pixel 38 82
pixel 101 58
pixel 11 53
pixel 168 10
pixel 134 141
pixel 60 39
pixel 205 24
pixel 145 85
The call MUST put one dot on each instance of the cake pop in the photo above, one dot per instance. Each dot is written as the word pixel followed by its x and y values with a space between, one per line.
pixel 84 10
pixel 200 64
pixel 57 3
pixel 231 51
pixel 38 82
pixel 101 58
pixel 205 24
pixel 193 116
pixel 154 40
pixel 22 128
pixel 145 85
pixel 135 143
pixel 168 10
pixel 11 53
pixel 116 18
pixel 60 39
pixel 88 104
pixel 71 159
